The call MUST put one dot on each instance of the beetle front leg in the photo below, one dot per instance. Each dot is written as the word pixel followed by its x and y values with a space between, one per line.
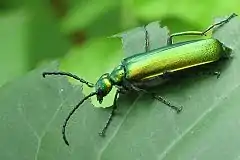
pixel 112 113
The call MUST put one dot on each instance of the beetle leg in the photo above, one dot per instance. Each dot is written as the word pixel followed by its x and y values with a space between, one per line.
pixel 168 75
pixel 146 39
pixel 155 96
pixel 112 113
pixel 166 102
pixel 210 73
pixel 192 33
pixel 217 73
pixel 220 23
pixel 200 33
pixel 121 89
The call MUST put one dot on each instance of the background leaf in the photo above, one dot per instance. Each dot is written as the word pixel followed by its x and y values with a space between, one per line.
pixel 13 45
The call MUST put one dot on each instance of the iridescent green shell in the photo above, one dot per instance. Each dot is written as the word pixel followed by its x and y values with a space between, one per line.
pixel 172 58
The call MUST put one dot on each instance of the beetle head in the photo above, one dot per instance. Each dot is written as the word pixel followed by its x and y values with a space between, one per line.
pixel 103 87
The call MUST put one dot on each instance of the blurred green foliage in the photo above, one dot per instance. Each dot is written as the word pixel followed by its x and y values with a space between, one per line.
pixel 77 32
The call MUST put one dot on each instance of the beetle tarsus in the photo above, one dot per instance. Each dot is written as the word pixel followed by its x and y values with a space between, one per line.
pixel 168 103
pixel 218 74
pixel 101 134
pixel 44 74
pixel 179 109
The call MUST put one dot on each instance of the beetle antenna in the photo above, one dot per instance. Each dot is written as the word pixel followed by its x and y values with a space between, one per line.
pixel 69 75
pixel 71 113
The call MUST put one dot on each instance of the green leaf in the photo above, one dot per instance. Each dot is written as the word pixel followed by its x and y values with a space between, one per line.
pixel 13 45
pixel 92 17
pixel 134 40
pixel 201 14
pixel 29 36
pixel 33 110
pixel 45 38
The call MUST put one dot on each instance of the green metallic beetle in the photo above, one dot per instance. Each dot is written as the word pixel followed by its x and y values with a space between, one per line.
pixel 141 68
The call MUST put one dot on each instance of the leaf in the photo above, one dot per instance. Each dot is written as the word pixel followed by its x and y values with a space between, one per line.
pixel 92 17
pixel 134 40
pixel 184 11
pixel 45 38
pixel 33 110
pixel 36 37
pixel 13 45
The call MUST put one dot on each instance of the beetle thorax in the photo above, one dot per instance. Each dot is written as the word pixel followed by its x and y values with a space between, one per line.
pixel 106 81
pixel 117 75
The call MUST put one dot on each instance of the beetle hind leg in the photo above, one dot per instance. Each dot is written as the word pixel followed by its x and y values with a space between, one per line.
pixel 155 96
pixel 210 73
pixel 166 102
pixel 200 33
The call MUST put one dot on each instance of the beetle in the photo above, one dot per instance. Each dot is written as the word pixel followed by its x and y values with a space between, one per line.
pixel 140 68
